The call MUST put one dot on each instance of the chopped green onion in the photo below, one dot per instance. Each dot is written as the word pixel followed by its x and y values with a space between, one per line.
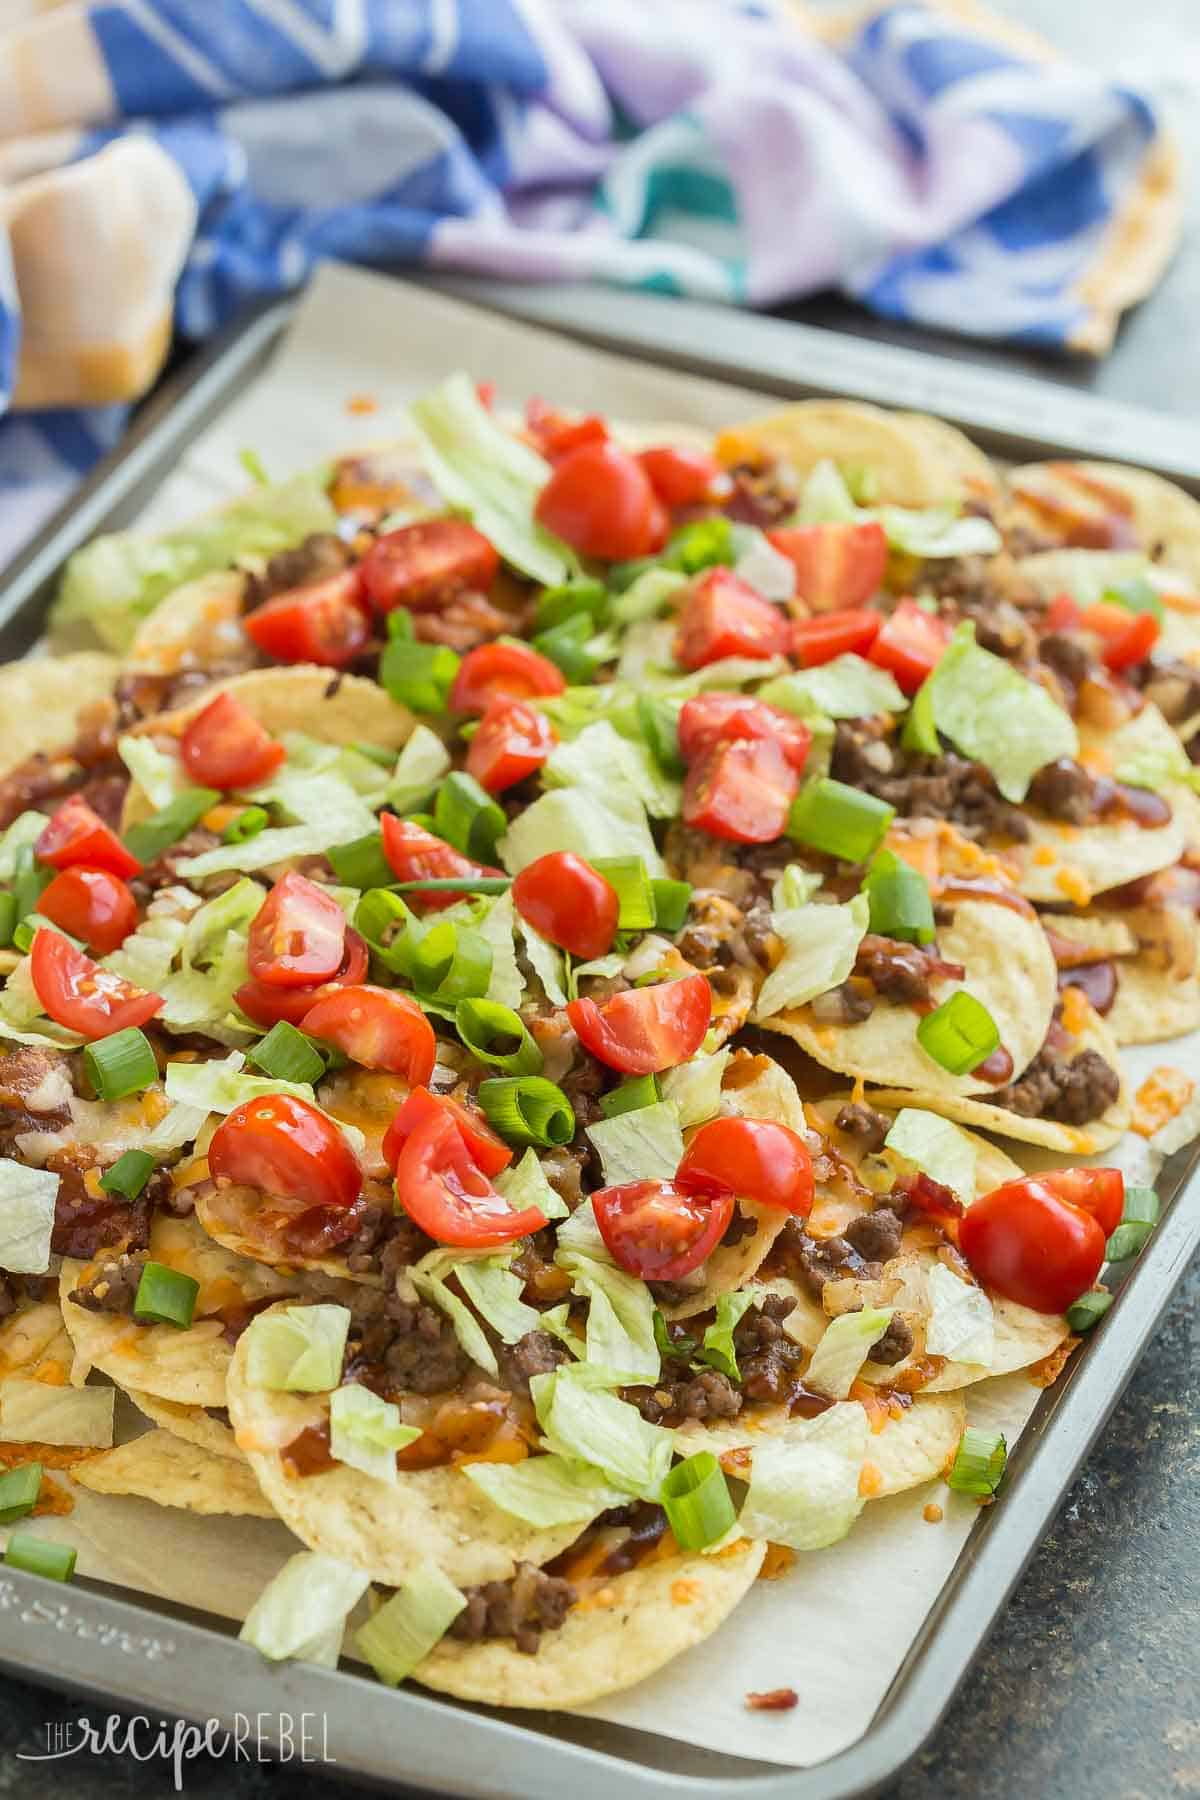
pixel 129 1174
pixel 449 962
pixel 424 819
pixel 556 604
pixel 635 895
pixel 24 934
pixel 643 1090
pixel 695 1498
pixel 38 1556
pixel 959 1034
pixel 165 1297
pixel 622 575
pixel 700 545
pixel 979 1462
pixel 376 753
pixel 1136 596
pixel 382 919
pixel 450 884
pixel 419 676
pixel 361 863
pixel 249 822
pixel 528 1110
pixel 8 917
pixel 671 902
pixel 30 880
pixel 19 1489
pixel 899 900
pixel 658 721
pixel 1138 1220
pixel 287 1055
pixel 120 1065
pixel 566 645
pixel 401 627
pixel 1089 1309
pixel 152 836
pixel 498 1035
pixel 920 731
pixel 466 816
pixel 844 822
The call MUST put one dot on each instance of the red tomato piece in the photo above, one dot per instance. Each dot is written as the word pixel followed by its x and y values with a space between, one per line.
pixel 680 477
pixel 508 671
pixel 1126 638
pixel 555 435
pixel 1062 614
pixel 837 566
pixel 600 501
pixel 224 746
pixel 92 904
pixel 819 640
pixel 75 834
pixel 1100 1192
pixel 282 1145
pixel 755 1159
pixel 424 564
pixel 1041 1241
pixel 512 741
pixel 325 623
pixel 569 902
pixel 658 1232
pixel 723 616
pixel 266 1005
pixel 910 645
pixel 485 393
pixel 441 1187
pixel 78 993
pixel 489 1152
pixel 376 1027
pixel 646 1029
pixel 716 718
pixel 298 935
pixel 740 791
pixel 416 855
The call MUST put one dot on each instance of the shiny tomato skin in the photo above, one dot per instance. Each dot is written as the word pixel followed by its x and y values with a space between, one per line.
pixel 376 1027
pixel 680 477
pixel 1126 638
pixel 656 1231
pixel 92 904
pixel 910 645
pixel 755 1159
pixel 555 435
pixel 75 833
pixel 1100 1192
pixel 569 902
pixel 424 564
pixel 224 746
pixel 512 742
pixel 326 623
pixel 716 718
pixel 819 640
pixel 740 791
pixel 282 1145
pixel 512 671
pixel 415 854
pixel 723 616
pixel 487 1151
pixel 266 1005
pixel 645 1029
pixel 78 993
pixel 600 501
pixel 441 1187
pixel 1023 1241
pixel 837 566
pixel 298 935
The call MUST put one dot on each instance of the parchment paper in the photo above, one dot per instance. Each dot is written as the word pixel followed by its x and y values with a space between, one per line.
pixel 838 1625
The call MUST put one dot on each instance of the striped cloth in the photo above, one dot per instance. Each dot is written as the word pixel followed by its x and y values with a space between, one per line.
pixel 168 160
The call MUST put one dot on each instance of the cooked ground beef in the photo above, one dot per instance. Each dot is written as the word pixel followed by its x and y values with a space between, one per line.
pixel 768 1360
pixel 35 1092
pixel 923 787
pixel 740 1226
pixel 86 1223
pixel 321 554
pixel 867 1127
pixel 164 871
pixel 415 1347
pixel 386 1241
pixel 875 1235
pixel 848 1004
pixel 113 1285
pixel 563 1169
pixel 523 1608
pixel 464 622
pixel 1067 658
pixel 814 1261
pixel 719 934
pixel 1174 687
pixel 646 1523
pixel 895 1344
pixel 89 765
pixel 899 972
pixel 1071 1090
pixel 707 1395
pixel 16 1288
pixel 1065 790
pixel 762 494
pixel 537 1353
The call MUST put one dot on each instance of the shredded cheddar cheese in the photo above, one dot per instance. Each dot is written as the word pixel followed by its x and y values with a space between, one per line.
pixel 1164 1093
pixel 1044 855
pixel 870 1480
pixel 778 1560
pixel 1076 1013
pixel 1072 883
pixel 684 1592
pixel 932 1513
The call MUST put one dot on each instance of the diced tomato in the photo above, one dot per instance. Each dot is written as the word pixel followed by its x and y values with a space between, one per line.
pixel 485 393
pixel 569 902
pixel 92 904
pixel 646 1029
pixel 819 640
pixel 1040 1241
pixel 298 935
pixel 425 564
pixel 1100 1192
pixel 755 1159
pixel 266 1005
pixel 281 1145
pixel 1126 637
pixel 326 623
pixel 75 834
pixel 224 746
pixel 837 566
pixel 78 993
pixel 487 1150
pixel 656 1231
pixel 741 791
pixel 511 742
pixel 723 616
pixel 441 1187
pixel 376 1027
pixel 680 477
pixel 1063 613
pixel 600 501
pixel 910 645
pixel 929 1196
pixel 716 718
pixel 505 671
pixel 555 434
pixel 414 854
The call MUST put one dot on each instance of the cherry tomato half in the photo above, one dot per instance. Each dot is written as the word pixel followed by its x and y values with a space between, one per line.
pixel 266 1005
pixel 444 1190
pixel 282 1145
pixel 376 1027
pixel 74 834
pixel 837 566
pixel 555 434
pixel 224 746
pixel 646 1029
pixel 756 1159
pixel 325 623
pixel 723 616
pixel 1040 1241
pixel 569 902
pixel 78 993
pixel 424 564
pixel 910 645
pixel 656 1231
pixel 298 935
pixel 741 791
pixel 92 904
pixel 414 854
pixel 819 640
pixel 513 671
pixel 716 718
pixel 680 477
pixel 511 742
pixel 600 501
pixel 489 1152
pixel 1125 637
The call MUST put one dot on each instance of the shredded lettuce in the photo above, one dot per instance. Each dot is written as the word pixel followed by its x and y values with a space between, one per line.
pixel 22 834
pixel 33 1412
pixel 301 1613
pixel 937 532
pixel 961 1321
pixel 22 1020
pixel 277 844
pixel 493 1290
pixel 234 910
pixel 646 597
pixel 937 1146
pixel 849 687
pixel 578 819
pixel 506 984
pixel 604 762
pixel 826 499
pixel 620 1324
pixel 159 776
pixel 365 1432
pixel 585 1423
pixel 643 1145
pixel 298 1350
pixel 648 650
pixel 557 1321
pixel 581 1234
pixel 546 960
pixel 419 767
pixel 694 1088
pixel 1147 753
pixel 524 1184
pixel 821 943
pixel 219 1086
pixel 324 801
pixel 146 956
pixel 761 566
pixel 27 1200
pixel 995 716
pixel 795 887
pixel 844 1347
pixel 399 1637
pixel 718 1347
pixel 179 1126
pixel 804 1486
pixel 546 1490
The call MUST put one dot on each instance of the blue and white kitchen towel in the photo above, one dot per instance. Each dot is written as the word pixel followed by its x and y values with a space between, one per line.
pixel 214 150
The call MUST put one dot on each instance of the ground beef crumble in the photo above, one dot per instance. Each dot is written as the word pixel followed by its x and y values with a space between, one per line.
pixel 113 1286
pixel 522 1608
pixel 1071 1090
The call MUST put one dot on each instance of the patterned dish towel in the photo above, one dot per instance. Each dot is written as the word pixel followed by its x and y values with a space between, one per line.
pixel 164 161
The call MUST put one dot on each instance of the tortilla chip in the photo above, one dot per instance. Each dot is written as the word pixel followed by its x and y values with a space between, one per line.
pixel 1071 862
pixel 41 698
pixel 1023 1337
pixel 161 1467
pixel 611 1639
pixel 1166 519
pixel 338 708
pixel 1103 934
pixel 968 471
pixel 197 626
pixel 191 1423
pixel 1151 1003
pixel 34 1339
pixel 909 467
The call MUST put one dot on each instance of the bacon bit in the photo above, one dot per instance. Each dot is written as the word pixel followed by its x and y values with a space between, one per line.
pixel 1044 855
pixel 1045 1373
pixel 1076 1012
pixel 780 1558
pixel 1070 881
pixel 684 1592
pixel 932 1513
pixel 776 1700
pixel 870 1480
pixel 1165 1092
pixel 362 403
pixel 736 1462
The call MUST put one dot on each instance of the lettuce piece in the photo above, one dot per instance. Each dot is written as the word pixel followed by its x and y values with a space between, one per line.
pixel 32 1412
pixel 821 943
pixel 795 887
pixel 603 761
pixel 961 1322
pixel 995 716
pixel 324 801
pixel 546 1490
pixel 761 566
pixel 718 1346
pixel 234 910
pixel 648 596
pixel 620 1325
pixel 299 1350
pixel 546 960
pixel 405 1629
pixel 524 1184
pixel 365 1432
pixel 557 1321
pixel 179 1126
pixel 579 819
pixel 825 498
pixel 643 1145
pixel 159 776
pixel 936 532
pixel 581 1234
pixel 493 1290
pixel 419 767
pixel 301 1613
pixel 937 1146
pixel 22 834
pixel 22 1020
pixel 219 1086
pixel 479 468
pixel 843 1349
pixel 147 955
pixel 277 844
pixel 647 650
pixel 317 756
pixel 694 1088
pixel 27 1199
pixel 600 968
pixel 506 984
pixel 1147 753
pixel 804 1487
pixel 588 1424
pixel 849 687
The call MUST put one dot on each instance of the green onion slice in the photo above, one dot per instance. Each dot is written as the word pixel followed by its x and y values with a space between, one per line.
pixel 361 863
pixel 643 1090
pixel 418 676
pixel 840 820
pixel 700 545
pixel 449 963
pixel 249 822
pixel 465 815
pixel 566 646
pixel 528 1110
pixel 920 732
pixel 165 1297
pixel 24 934
pixel 979 1462
pixel 382 919
pixel 19 1489
pixel 671 902
pixel 8 917
pixel 899 899
pixel 38 1556
pixel 634 893
pixel 30 880
pixel 556 604
pixel 1138 1220
pixel 120 1065
pixel 659 723
pixel 695 1498
pixel 129 1174
pixel 1089 1309
pixel 376 753
pixel 287 1055
pixel 959 1034
pixel 497 1035
pixel 452 884
pixel 152 836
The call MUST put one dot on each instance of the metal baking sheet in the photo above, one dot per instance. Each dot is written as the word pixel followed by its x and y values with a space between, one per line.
pixel 96 1640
